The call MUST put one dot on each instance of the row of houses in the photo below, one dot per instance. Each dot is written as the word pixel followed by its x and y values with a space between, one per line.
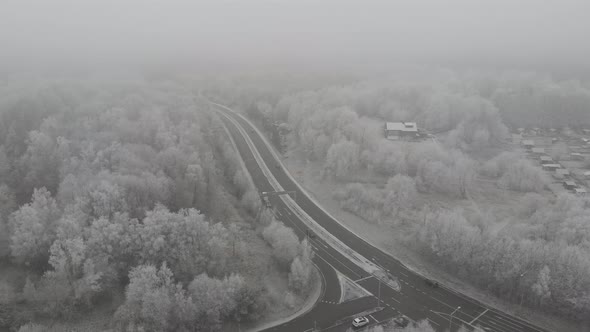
pixel 558 172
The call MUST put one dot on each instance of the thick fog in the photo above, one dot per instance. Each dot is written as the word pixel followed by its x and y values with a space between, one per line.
pixel 232 165
pixel 265 31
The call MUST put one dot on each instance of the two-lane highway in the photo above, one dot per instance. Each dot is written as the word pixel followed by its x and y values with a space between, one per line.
pixel 327 310
pixel 417 300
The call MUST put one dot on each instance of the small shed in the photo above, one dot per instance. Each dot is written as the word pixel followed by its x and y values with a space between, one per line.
pixel 577 156
pixel 546 160
pixel 538 150
pixel 551 167
pixel 580 191
pixel 569 185
pixel 562 172
pixel 528 143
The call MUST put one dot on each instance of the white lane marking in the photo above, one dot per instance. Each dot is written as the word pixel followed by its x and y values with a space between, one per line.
pixel 499 322
pixel 476 318
pixel 433 322
pixel 374 318
pixel 496 328
pixel 441 302
pixel 405 275
pixel 393 298
pixel 454 320
pixel 361 279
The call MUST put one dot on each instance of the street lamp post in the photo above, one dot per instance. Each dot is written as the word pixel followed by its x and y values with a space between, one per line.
pixel 521 291
pixel 379 293
pixel 451 320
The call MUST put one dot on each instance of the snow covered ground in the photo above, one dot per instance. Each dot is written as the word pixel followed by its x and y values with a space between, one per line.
pixel 308 175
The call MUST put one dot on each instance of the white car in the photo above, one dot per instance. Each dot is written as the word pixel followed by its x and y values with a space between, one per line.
pixel 360 321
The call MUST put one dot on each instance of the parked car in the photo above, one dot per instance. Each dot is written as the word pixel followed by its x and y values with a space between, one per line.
pixel 431 283
pixel 401 321
pixel 360 322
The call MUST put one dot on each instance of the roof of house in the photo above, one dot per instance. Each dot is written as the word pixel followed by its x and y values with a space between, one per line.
pixel 539 150
pixel 401 126
pixel 569 183
pixel 562 171
pixel 528 142
pixel 580 190
pixel 587 173
pixel 552 165
pixel 546 158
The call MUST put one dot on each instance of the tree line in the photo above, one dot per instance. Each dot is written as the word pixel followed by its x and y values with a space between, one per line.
pixel 132 187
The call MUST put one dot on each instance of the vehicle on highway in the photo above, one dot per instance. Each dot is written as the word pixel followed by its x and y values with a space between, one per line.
pixel 360 321
pixel 266 202
pixel 431 283
pixel 310 234
pixel 401 321
pixel 277 166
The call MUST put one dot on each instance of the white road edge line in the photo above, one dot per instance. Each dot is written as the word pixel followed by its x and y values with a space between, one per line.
pixel 476 318
pixel 433 322
pixel 361 279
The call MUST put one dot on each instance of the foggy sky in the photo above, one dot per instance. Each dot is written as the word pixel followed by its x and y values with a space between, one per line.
pixel 125 31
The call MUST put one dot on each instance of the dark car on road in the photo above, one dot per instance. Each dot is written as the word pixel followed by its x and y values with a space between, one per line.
pixel 431 283
pixel 401 321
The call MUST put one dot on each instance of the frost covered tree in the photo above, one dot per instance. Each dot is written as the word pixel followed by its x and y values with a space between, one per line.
pixel 33 228
pixel 301 272
pixel 147 299
pixel 7 206
pixel 342 159
pixel 400 194
pixel 542 287
pixel 283 240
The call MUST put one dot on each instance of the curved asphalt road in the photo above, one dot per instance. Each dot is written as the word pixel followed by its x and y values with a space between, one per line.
pixel 327 310
pixel 416 299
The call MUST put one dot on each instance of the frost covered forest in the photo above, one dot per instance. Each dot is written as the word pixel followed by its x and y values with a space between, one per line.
pixel 532 247
pixel 126 200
